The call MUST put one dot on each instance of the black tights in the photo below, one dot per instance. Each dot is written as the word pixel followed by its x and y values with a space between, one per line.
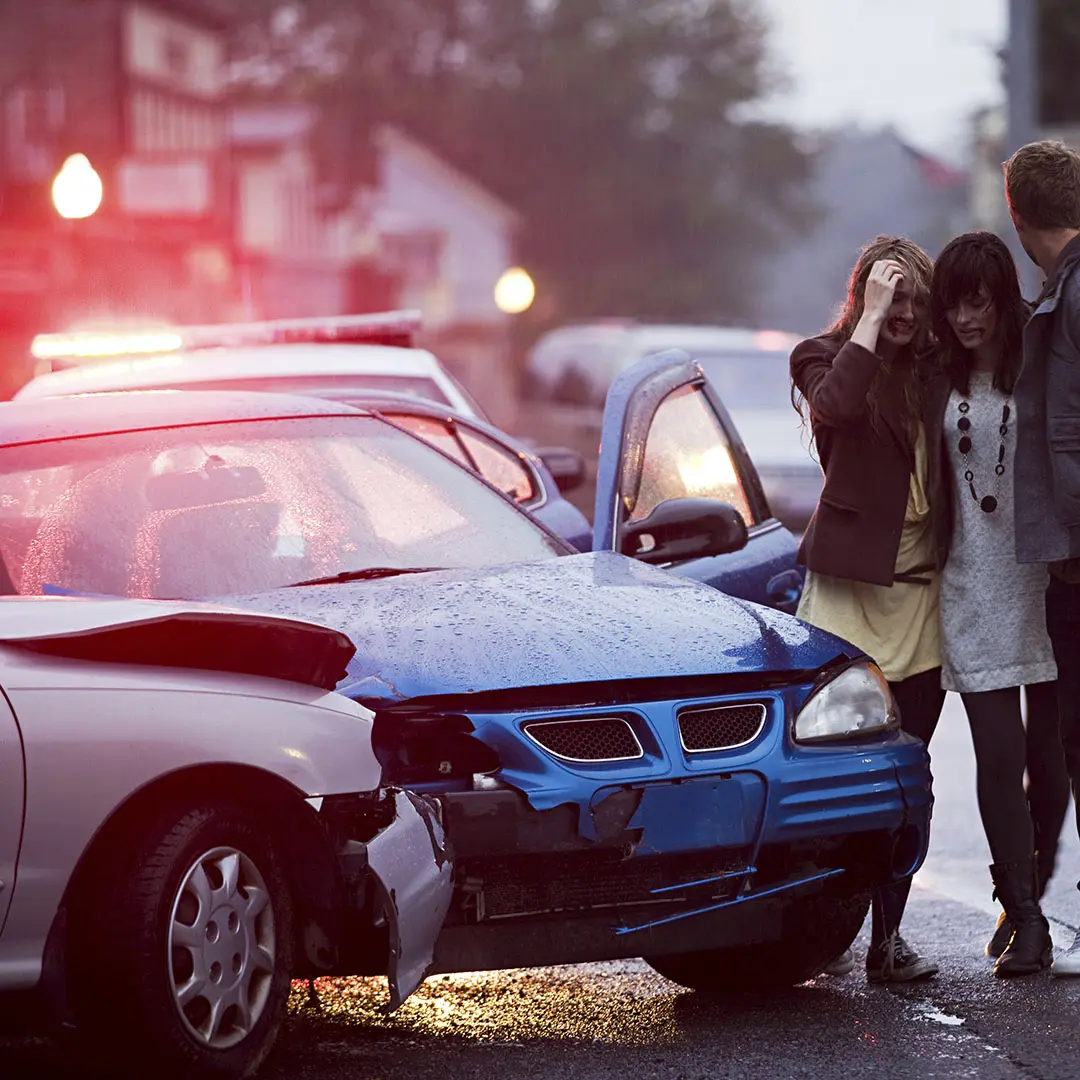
pixel 1018 823
pixel 919 700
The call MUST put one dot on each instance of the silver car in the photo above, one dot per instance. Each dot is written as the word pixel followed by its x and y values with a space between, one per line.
pixel 189 817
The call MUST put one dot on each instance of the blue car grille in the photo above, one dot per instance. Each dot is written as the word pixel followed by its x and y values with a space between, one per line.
pixel 722 727
pixel 599 738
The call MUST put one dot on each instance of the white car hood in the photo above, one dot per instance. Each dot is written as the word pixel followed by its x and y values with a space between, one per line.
pixel 170 633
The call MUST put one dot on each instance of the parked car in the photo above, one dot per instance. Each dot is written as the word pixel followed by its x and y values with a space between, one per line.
pixel 298 356
pixel 749 369
pixel 189 818
pixel 626 761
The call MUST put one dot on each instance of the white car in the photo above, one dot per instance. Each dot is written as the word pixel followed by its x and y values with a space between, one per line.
pixel 575 365
pixel 189 817
pixel 296 356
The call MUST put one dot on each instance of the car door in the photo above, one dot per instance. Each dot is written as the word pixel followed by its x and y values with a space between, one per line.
pixel 12 793
pixel 666 435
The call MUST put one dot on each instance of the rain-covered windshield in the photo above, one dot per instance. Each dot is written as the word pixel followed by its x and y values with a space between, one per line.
pixel 229 509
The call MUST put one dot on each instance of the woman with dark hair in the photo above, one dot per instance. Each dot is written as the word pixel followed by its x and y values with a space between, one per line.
pixel 993 620
pixel 871 548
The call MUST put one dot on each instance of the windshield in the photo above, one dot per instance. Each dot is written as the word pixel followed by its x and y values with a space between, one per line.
pixel 229 509
pixel 750 380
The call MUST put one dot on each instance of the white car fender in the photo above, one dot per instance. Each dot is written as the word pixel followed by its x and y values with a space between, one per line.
pixel 94 734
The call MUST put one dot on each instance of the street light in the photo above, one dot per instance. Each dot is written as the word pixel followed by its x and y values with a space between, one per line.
pixel 515 291
pixel 77 190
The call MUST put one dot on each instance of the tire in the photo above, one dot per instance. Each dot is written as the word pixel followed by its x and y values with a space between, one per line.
pixel 815 932
pixel 185 961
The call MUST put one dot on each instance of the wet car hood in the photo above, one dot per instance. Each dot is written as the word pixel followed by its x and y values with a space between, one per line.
pixel 583 618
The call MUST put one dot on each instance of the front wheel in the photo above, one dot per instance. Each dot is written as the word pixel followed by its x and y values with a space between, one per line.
pixel 815 932
pixel 190 957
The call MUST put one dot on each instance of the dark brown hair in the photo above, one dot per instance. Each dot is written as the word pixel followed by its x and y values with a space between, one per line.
pixel 1042 184
pixel 972 260
pixel 899 375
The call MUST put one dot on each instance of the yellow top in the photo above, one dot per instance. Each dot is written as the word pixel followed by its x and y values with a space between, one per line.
pixel 897 625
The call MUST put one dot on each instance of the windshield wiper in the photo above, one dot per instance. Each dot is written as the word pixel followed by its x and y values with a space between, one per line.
pixel 370 574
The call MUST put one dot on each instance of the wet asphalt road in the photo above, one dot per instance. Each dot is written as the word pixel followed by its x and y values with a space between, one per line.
pixel 614 1020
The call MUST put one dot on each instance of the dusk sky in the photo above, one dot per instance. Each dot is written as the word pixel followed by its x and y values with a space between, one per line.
pixel 922 65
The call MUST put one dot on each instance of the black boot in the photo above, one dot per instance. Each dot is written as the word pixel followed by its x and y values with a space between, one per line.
pixel 1030 948
pixel 1044 867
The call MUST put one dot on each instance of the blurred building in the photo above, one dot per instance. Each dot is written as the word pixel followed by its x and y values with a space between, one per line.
pixel 137 86
pixel 865 183
pixel 412 232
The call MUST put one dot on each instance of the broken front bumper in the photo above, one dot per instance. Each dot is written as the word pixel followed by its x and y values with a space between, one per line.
pixel 691 862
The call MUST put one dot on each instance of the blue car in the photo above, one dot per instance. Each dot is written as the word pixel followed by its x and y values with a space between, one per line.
pixel 626 761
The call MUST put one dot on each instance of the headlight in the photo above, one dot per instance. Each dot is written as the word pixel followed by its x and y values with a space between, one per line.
pixel 856 702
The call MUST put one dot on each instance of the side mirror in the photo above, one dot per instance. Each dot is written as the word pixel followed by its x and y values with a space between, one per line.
pixel 681 529
pixel 565 465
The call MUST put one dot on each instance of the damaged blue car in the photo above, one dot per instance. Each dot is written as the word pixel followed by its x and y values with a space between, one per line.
pixel 626 761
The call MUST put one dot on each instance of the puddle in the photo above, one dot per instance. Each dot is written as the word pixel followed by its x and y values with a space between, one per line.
pixel 936 1016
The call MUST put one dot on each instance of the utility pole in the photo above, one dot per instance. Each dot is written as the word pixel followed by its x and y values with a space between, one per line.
pixel 1022 87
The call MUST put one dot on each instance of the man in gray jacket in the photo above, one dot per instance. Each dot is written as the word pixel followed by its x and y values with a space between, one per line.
pixel 1042 183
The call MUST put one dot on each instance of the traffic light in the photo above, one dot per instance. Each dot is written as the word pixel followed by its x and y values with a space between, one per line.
pixel 1057 50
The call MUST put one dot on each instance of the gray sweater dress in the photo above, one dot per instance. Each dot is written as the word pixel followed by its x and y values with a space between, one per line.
pixel 993 622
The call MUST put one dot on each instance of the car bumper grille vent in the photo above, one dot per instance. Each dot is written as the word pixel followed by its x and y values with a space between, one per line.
pixel 591 739
pixel 723 727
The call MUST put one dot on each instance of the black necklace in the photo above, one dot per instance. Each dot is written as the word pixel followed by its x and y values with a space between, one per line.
pixel 988 503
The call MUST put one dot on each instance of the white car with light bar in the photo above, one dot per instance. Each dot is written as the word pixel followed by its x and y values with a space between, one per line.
pixel 296 356
pixel 575 365
pixel 189 816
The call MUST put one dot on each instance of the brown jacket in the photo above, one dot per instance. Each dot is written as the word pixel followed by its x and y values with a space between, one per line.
pixel 855 530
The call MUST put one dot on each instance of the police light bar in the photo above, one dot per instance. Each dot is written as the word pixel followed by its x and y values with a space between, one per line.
pixel 396 328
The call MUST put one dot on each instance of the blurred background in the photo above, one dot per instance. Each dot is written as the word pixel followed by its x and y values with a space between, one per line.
pixel 506 166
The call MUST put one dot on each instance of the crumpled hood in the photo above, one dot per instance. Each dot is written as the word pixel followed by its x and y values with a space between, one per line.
pixel 584 618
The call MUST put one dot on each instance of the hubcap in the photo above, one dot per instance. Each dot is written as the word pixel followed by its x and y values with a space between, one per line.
pixel 221 947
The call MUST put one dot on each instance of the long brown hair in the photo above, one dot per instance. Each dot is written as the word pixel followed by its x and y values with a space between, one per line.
pixel 902 374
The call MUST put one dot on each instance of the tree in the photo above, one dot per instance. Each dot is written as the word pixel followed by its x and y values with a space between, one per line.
pixel 620 129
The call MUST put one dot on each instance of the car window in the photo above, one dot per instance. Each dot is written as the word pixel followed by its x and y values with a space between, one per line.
pixel 500 466
pixel 687 456
pixel 229 509
pixel 436 432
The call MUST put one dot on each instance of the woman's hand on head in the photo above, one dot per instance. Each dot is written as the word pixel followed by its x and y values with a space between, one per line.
pixel 881 285
pixel 885 275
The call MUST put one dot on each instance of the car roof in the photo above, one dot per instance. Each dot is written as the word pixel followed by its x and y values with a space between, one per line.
pixel 236 362
pixel 650 337
pixel 53 418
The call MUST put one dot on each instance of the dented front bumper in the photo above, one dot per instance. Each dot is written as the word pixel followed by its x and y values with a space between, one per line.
pixel 400 881
pixel 703 862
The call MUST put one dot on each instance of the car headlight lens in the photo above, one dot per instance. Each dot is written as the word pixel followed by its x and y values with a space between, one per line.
pixel 854 703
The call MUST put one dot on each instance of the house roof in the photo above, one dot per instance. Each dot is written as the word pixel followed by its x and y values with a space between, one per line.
pixel 388 137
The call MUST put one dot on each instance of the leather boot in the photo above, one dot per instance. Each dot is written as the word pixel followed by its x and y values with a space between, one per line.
pixel 1030 948
pixel 1003 932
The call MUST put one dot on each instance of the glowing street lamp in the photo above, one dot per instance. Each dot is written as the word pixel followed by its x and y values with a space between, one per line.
pixel 77 190
pixel 515 291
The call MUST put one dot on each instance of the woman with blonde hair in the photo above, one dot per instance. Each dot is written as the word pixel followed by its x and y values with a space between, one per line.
pixel 876 541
